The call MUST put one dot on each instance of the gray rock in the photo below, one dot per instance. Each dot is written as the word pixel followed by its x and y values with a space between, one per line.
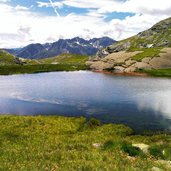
pixel 141 65
pixel 143 147
pixel 130 69
pixel 146 60
pixel 129 62
pixel 119 69
pixel 99 65
pixel 96 145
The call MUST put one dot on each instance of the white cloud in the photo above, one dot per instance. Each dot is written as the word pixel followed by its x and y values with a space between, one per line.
pixel 20 26
pixel 49 4
pixel 4 1
pixel 21 8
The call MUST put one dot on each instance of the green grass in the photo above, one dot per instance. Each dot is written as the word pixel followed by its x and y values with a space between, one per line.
pixel 158 72
pixel 65 62
pixel 6 59
pixel 148 52
pixel 60 144
pixel 66 59
pixel 21 69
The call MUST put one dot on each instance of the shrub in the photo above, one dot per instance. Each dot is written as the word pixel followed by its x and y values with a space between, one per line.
pixel 93 123
pixel 109 145
pixel 156 151
pixel 132 151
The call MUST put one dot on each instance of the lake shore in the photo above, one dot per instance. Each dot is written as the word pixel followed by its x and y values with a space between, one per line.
pixel 39 68
pixel 123 73
pixel 142 73
pixel 68 143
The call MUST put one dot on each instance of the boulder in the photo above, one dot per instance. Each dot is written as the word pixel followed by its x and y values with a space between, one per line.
pixel 141 65
pixel 143 147
pixel 146 60
pixel 129 62
pixel 119 69
pixel 130 69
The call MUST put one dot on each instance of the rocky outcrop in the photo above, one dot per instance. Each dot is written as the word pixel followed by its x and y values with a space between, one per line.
pixel 123 62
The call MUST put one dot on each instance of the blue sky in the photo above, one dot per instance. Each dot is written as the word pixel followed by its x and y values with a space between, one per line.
pixel 32 21
pixel 65 10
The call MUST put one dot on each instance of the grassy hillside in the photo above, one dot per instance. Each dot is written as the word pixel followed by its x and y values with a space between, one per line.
pixel 66 62
pixel 62 144
pixel 7 59
pixel 66 59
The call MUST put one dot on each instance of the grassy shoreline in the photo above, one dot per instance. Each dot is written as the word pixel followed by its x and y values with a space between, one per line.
pixel 29 69
pixel 68 143
pixel 158 72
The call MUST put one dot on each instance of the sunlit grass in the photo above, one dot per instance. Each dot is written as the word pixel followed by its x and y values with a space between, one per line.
pixel 21 69
pixel 158 72
pixel 148 52
pixel 61 143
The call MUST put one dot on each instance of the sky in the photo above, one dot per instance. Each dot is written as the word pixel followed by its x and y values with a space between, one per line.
pixel 44 21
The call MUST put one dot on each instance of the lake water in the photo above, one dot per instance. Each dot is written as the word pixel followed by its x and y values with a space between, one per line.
pixel 143 103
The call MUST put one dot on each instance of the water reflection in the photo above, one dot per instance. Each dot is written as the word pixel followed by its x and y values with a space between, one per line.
pixel 160 102
pixel 142 103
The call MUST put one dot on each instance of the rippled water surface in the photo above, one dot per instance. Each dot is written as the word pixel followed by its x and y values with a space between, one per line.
pixel 142 103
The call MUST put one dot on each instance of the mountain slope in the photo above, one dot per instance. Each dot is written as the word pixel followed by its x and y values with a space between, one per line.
pixel 65 59
pixel 73 46
pixel 8 59
pixel 150 49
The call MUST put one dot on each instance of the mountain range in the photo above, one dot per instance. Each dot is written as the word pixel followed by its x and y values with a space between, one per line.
pixel 62 46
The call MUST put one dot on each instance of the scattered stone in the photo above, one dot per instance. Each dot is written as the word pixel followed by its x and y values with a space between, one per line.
pixel 97 145
pixel 156 169
pixel 143 147
pixel 150 45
